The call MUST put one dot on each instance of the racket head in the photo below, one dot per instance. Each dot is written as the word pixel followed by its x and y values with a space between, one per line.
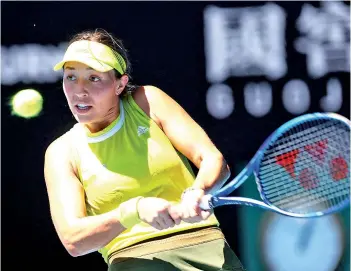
pixel 303 168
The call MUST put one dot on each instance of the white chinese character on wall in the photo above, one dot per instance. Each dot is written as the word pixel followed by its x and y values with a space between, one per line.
pixel 30 63
pixel 325 37
pixel 246 41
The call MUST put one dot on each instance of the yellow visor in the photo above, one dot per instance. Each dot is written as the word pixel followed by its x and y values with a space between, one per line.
pixel 95 55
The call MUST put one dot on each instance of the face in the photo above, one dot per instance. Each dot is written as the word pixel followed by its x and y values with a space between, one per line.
pixel 91 95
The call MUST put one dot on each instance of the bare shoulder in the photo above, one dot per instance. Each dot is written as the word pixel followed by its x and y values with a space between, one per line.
pixel 149 99
pixel 59 152
pixel 58 147
pixel 146 95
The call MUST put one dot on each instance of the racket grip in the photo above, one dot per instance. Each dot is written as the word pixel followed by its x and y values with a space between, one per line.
pixel 205 203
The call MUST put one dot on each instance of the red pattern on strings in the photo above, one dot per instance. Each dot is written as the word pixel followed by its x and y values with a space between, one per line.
pixel 317 149
pixel 287 160
pixel 308 179
pixel 338 168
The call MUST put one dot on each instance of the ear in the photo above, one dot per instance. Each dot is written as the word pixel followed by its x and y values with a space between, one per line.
pixel 121 84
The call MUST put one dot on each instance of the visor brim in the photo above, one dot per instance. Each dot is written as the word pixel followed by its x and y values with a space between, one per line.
pixel 92 63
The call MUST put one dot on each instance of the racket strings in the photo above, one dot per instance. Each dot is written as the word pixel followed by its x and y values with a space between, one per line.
pixel 273 178
pixel 336 197
pixel 270 174
pixel 305 199
pixel 294 199
pixel 305 205
pixel 276 181
pixel 275 194
pixel 340 192
pixel 283 146
pixel 271 157
pixel 306 181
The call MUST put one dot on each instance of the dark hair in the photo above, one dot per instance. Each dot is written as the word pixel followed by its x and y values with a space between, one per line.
pixel 106 38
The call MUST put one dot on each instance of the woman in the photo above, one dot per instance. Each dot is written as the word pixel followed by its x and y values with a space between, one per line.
pixel 119 182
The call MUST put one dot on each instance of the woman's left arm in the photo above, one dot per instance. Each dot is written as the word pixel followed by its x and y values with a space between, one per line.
pixel 187 137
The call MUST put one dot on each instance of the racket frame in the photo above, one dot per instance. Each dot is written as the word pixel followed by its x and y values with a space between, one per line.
pixel 216 199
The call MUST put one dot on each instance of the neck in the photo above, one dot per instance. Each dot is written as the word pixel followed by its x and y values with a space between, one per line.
pixel 98 126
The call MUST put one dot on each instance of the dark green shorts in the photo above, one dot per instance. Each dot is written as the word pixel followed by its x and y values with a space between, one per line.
pixel 207 256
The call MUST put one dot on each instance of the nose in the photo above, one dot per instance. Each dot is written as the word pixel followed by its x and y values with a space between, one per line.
pixel 81 94
pixel 81 89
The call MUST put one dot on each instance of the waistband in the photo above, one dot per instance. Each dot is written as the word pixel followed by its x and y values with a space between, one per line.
pixel 168 242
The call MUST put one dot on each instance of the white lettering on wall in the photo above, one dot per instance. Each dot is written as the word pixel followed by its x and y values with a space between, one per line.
pixel 30 63
pixel 258 98
pixel 296 97
pixel 333 100
pixel 325 37
pixel 220 101
pixel 246 41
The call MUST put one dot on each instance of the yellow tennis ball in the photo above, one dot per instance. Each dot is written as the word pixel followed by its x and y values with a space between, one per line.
pixel 27 103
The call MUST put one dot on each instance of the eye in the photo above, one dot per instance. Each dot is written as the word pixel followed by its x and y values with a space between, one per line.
pixel 71 77
pixel 94 78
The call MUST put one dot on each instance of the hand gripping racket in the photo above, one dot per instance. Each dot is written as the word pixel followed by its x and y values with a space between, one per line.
pixel 301 170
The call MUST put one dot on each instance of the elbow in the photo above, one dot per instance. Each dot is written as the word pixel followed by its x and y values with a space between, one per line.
pixel 217 155
pixel 72 243
pixel 223 169
pixel 72 237
pixel 223 174
pixel 71 247
pixel 78 247
pixel 226 170
pixel 216 158
pixel 222 163
pixel 72 250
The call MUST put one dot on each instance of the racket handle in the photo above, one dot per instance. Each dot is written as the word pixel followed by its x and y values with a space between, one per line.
pixel 206 203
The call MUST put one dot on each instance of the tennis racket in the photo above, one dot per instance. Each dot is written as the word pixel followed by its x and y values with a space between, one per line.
pixel 301 170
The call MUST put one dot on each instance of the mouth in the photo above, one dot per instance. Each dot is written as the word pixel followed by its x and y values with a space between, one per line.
pixel 82 108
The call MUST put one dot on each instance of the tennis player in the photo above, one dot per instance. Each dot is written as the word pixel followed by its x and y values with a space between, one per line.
pixel 119 181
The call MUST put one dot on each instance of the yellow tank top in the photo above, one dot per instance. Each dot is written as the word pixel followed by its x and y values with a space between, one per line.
pixel 129 158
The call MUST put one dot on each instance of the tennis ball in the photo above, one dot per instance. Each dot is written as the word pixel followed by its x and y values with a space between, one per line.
pixel 27 103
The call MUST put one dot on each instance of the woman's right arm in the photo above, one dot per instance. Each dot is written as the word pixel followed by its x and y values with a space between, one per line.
pixel 81 234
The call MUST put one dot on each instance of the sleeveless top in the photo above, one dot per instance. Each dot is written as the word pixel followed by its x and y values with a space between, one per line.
pixel 129 158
